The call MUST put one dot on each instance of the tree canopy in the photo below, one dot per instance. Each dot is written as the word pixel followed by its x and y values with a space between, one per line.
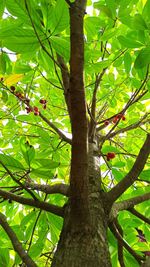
pixel 35 129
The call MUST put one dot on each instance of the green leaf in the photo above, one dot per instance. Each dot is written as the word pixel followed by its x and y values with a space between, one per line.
pixel 103 8
pixel 4 257
pixel 119 164
pixel 61 46
pixel 145 175
pixel 117 174
pixel 128 42
pixel 28 218
pixel 108 34
pixel 47 163
pixel 17 9
pixel 127 62
pixel 107 149
pixel 27 150
pixel 2 7
pixel 17 38
pixel 2 63
pixel 92 26
pixel 139 22
pixel 59 18
pixel 143 58
pixel 11 163
pixel 42 173
pixel 36 249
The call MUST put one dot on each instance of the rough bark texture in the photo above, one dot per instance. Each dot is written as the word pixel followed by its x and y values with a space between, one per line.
pixel 86 245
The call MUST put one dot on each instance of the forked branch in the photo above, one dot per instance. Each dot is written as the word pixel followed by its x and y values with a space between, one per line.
pixel 116 233
pixel 127 204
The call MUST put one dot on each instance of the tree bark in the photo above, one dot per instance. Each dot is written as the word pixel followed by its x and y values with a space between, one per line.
pixel 86 245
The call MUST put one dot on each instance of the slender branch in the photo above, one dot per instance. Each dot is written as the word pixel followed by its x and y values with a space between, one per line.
pixel 66 80
pixel 127 204
pixel 50 189
pixel 116 233
pixel 33 203
pixel 59 132
pixel 139 215
pixel 120 245
pixel 46 79
pixel 16 243
pixel 133 174
pixel 130 127
pixel 17 181
pixel 93 107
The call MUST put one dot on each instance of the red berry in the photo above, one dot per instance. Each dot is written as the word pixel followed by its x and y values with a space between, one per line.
pixel 12 88
pixel 123 118
pixel 42 101
pixel 28 109
pixel 119 116
pixel 110 155
pixel 115 119
pixel 106 123
pixel 36 109
pixel 36 113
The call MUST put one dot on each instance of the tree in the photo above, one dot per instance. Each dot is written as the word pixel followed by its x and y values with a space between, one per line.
pixel 75 134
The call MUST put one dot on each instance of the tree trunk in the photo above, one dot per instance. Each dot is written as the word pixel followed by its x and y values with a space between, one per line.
pixel 86 245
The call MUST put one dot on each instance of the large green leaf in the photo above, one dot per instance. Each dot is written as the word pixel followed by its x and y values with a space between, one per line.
pixel 143 58
pixel 128 42
pixel 58 17
pixel 27 150
pixel 145 175
pixel 11 163
pixel 61 46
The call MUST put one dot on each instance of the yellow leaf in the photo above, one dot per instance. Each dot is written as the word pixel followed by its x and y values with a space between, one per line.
pixel 13 79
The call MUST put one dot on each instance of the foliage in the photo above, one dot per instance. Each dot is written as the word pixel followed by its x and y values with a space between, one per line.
pixel 32 34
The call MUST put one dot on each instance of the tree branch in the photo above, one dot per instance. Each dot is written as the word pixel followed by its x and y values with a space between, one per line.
pixel 33 203
pixel 59 132
pixel 16 243
pixel 17 181
pixel 93 106
pixel 130 127
pixel 120 245
pixel 133 174
pixel 66 80
pixel 127 204
pixel 116 233
pixel 50 189
pixel 139 215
